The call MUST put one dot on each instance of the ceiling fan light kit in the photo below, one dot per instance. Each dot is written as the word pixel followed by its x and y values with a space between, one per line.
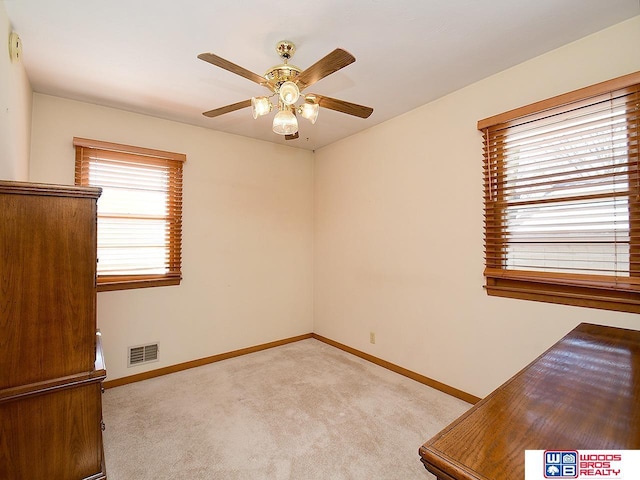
pixel 309 109
pixel 285 122
pixel 289 93
pixel 260 106
pixel 287 82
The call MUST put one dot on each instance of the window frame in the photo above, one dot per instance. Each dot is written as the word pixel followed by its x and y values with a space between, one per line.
pixel 559 288
pixel 173 162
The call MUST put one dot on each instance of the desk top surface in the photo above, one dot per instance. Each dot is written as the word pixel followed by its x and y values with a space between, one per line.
pixel 582 393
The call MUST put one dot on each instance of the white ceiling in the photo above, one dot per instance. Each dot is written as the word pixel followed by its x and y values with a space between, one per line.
pixel 140 55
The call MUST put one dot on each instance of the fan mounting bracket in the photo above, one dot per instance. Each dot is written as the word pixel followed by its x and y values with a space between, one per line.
pixel 285 49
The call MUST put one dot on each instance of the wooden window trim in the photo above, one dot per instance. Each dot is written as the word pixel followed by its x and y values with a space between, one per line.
pixel 138 154
pixel 563 99
pixel 108 284
pixel 119 147
pixel 592 291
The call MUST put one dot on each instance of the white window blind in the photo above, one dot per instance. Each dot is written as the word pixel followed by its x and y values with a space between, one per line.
pixel 562 199
pixel 139 211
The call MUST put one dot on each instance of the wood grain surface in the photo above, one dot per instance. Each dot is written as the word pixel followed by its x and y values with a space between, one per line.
pixel 582 393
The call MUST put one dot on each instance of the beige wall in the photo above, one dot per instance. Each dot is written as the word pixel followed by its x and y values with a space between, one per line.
pixel 247 236
pixel 396 247
pixel 399 242
pixel 15 110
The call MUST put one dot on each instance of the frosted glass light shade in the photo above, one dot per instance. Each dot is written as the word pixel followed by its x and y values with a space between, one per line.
pixel 310 111
pixel 260 106
pixel 289 93
pixel 285 123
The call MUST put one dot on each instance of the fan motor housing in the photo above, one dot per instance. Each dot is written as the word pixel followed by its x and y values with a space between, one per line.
pixel 279 74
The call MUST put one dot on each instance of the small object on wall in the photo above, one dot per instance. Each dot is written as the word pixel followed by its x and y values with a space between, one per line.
pixel 15 47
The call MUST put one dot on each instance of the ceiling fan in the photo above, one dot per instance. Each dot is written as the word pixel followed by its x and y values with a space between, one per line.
pixel 286 82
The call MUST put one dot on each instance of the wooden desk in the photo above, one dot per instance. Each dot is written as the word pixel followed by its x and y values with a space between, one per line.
pixel 582 393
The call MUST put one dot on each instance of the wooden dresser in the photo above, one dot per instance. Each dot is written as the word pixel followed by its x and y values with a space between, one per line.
pixel 51 364
pixel 581 394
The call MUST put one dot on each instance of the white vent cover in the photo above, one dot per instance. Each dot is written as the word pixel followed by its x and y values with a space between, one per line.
pixel 143 354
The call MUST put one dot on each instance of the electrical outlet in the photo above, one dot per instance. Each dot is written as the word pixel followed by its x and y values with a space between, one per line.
pixel 372 337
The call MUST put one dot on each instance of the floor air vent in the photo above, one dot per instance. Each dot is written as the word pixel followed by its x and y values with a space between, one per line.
pixel 143 354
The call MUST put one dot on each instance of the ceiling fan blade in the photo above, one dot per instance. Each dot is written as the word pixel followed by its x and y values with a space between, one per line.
pixel 233 68
pixel 229 108
pixel 344 107
pixel 327 65
pixel 292 137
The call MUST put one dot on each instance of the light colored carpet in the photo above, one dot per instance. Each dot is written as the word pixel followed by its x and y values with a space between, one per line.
pixel 302 411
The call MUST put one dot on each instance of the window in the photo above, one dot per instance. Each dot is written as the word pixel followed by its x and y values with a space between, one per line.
pixel 562 198
pixel 139 212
